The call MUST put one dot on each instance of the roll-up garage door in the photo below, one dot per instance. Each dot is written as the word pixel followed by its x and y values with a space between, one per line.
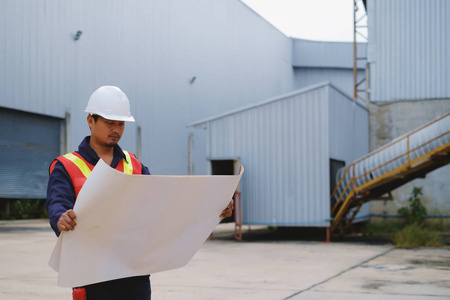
pixel 28 144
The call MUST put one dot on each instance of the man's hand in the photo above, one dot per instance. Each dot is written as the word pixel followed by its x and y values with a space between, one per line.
pixel 227 212
pixel 67 221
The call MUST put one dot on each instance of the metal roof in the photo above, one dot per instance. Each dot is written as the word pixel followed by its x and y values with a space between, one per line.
pixel 274 99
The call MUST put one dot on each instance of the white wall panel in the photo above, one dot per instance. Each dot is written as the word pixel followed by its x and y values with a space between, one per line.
pixel 408 49
pixel 341 78
pixel 349 127
pixel 317 54
pixel 283 145
pixel 349 133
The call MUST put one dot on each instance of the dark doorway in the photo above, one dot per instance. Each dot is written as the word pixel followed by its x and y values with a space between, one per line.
pixel 335 165
pixel 224 167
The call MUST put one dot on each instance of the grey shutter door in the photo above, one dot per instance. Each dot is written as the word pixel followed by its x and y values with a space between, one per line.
pixel 28 144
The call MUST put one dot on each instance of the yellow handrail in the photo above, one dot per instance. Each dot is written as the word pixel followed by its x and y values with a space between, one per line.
pixel 400 138
pixel 351 167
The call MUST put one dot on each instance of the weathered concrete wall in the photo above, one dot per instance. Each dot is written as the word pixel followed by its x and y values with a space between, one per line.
pixel 391 120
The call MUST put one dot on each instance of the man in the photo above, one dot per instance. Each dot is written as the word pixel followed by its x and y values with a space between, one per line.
pixel 108 110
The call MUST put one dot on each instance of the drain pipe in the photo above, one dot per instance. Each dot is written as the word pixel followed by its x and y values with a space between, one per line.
pixel 190 163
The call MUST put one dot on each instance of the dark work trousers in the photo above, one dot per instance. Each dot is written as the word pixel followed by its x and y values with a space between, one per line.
pixel 132 288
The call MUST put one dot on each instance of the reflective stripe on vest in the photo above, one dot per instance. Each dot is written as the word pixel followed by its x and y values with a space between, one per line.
pixel 80 163
pixel 127 165
pixel 79 169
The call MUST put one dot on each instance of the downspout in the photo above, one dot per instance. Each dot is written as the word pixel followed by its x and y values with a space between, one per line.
pixel 190 163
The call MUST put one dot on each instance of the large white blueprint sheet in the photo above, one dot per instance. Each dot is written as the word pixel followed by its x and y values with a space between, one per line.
pixel 130 225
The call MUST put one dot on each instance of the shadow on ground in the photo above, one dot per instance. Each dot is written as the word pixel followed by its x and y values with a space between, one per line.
pixel 309 234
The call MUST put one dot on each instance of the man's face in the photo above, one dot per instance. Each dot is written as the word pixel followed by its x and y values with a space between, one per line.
pixel 104 132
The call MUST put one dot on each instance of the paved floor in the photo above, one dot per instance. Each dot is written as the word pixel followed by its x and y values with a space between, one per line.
pixel 259 268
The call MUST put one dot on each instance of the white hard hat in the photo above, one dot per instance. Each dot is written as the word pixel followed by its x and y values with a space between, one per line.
pixel 110 103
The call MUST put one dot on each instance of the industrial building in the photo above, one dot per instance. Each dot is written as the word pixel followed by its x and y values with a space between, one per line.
pixel 177 61
pixel 184 61
pixel 292 147
pixel 171 72
pixel 409 85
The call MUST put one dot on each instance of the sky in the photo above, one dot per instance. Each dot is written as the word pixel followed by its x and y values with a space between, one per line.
pixel 320 20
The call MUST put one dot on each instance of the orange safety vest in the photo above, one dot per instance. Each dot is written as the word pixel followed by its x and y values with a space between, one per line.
pixel 79 169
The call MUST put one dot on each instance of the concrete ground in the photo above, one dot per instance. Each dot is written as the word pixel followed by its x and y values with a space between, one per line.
pixel 257 268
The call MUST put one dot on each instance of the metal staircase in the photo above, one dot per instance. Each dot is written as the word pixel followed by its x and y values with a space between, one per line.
pixel 383 170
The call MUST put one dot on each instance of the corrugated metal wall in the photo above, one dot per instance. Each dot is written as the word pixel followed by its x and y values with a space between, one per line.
pixel 152 50
pixel 284 147
pixel 341 78
pixel 409 42
pixel 306 53
pixel 349 127
pixel 315 62
pixel 349 133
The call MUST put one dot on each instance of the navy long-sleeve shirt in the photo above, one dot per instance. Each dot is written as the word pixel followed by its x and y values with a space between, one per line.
pixel 60 190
